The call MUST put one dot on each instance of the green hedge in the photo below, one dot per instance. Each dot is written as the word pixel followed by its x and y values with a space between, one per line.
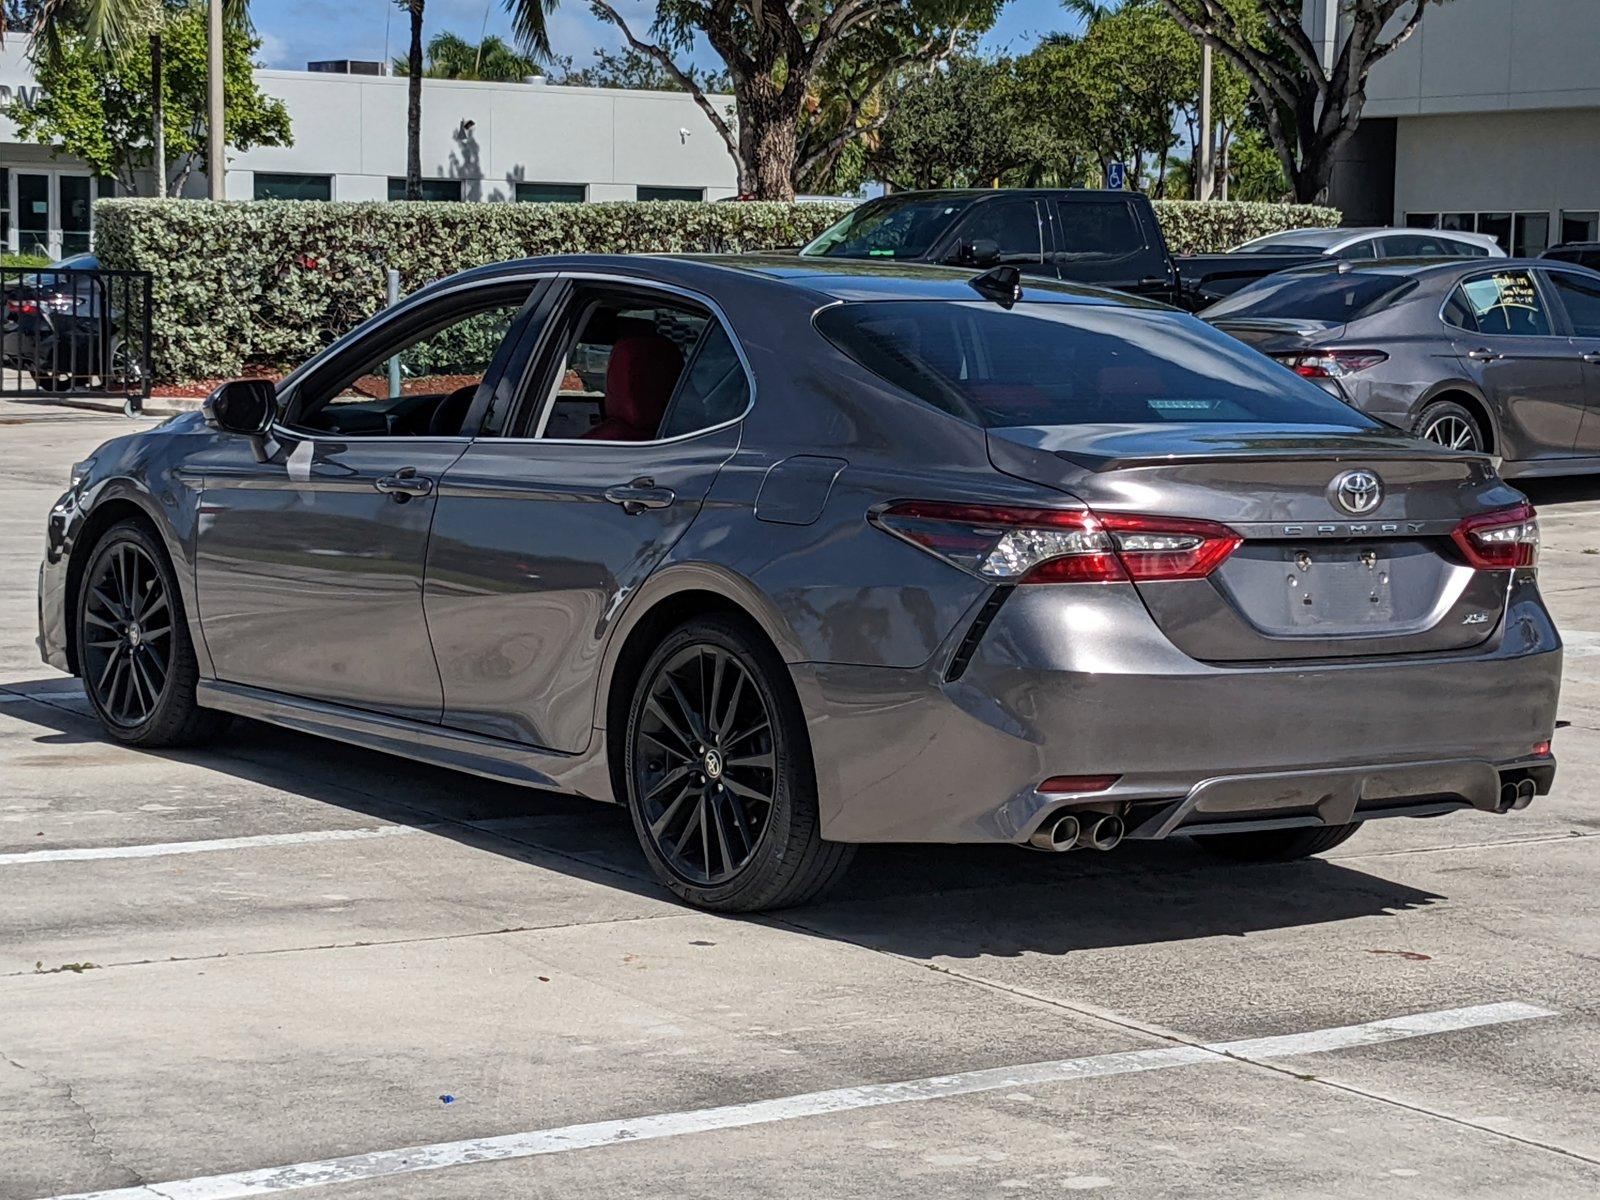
pixel 272 282
pixel 1191 227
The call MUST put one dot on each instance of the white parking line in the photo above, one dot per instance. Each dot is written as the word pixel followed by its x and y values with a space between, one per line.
pixel 385 1163
pixel 160 849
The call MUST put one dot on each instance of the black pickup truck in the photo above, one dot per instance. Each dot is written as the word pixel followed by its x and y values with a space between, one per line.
pixel 1110 239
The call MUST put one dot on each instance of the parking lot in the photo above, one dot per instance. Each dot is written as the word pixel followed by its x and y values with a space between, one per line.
pixel 281 965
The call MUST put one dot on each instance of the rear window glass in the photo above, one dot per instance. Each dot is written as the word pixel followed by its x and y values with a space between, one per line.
pixel 1069 364
pixel 1324 296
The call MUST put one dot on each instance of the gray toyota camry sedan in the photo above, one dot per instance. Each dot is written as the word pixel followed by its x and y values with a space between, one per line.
pixel 786 555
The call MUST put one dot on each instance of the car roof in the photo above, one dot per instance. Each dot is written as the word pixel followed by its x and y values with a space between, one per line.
pixel 1420 268
pixel 825 279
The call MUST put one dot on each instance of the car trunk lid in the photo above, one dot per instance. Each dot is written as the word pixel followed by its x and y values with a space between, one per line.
pixel 1312 578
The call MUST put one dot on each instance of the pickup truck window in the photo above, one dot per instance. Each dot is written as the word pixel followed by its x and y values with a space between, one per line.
pixel 1012 225
pixel 1099 229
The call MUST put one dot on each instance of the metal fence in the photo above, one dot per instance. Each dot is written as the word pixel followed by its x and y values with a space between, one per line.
pixel 76 331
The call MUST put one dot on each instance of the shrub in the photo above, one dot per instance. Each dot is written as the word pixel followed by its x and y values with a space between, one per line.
pixel 1193 227
pixel 272 282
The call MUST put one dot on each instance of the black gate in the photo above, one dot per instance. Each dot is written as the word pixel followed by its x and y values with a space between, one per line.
pixel 76 331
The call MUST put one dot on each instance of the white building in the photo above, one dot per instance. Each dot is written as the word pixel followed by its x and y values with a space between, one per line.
pixel 1487 118
pixel 480 141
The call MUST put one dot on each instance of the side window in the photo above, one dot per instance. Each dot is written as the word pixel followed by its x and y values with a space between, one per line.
pixel 620 368
pixel 1416 245
pixel 1465 249
pixel 1581 298
pixel 1099 229
pixel 417 384
pixel 1458 312
pixel 1012 225
pixel 1506 302
pixel 1365 248
pixel 714 389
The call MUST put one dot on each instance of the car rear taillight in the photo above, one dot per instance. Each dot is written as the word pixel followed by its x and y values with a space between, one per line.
pixel 1033 545
pixel 1331 364
pixel 1499 541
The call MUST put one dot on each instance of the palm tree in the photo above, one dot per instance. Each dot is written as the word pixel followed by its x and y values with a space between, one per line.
pixel 527 23
pixel 451 56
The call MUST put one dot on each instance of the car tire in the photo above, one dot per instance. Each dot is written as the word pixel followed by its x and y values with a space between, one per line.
pixel 1452 425
pixel 719 775
pixel 1276 845
pixel 138 664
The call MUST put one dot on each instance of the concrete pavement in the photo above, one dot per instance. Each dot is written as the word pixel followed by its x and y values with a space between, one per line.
pixel 389 957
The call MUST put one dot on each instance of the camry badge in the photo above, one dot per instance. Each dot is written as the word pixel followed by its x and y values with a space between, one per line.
pixel 1357 492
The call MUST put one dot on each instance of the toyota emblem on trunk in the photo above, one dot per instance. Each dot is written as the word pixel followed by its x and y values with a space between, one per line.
pixel 1358 492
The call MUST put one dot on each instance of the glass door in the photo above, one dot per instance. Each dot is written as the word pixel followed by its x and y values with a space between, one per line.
pixel 33 213
pixel 76 200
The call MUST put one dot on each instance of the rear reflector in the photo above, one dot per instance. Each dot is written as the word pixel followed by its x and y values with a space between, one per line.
pixel 1500 541
pixel 1057 784
pixel 1033 545
pixel 1541 749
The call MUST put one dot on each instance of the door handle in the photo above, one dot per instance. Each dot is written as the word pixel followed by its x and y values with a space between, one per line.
pixel 1484 354
pixel 1593 356
pixel 404 484
pixel 640 495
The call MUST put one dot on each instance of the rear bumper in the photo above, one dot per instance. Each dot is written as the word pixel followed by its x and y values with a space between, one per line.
pixel 1081 682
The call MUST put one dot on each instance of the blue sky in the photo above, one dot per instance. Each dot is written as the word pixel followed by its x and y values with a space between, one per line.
pixel 295 31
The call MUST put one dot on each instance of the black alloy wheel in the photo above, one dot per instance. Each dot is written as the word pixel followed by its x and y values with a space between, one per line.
pixel 127 647
pixel 704 769
pixel 138 664
pixel 718 772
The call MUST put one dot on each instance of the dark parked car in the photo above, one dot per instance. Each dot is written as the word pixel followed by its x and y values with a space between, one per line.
pixel 1110 239
pixel 1501 356
pixel 1208 278
pixel 67 325
pixel 1583 254
pixel 839 552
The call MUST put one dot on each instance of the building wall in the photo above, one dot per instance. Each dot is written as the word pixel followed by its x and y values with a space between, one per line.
pixel 1474 56
pixel 353 128
pixel 1505 161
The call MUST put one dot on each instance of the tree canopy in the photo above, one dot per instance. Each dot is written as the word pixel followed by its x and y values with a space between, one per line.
pixel 451 56
pixel 95 101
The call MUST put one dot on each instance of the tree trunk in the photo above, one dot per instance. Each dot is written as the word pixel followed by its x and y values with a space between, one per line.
pixel 414 105
pixel 769 129
pixel 1312 176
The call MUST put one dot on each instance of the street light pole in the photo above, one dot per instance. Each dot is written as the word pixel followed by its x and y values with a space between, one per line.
pixel 1207 172
pixel 158 115
pixel 216 134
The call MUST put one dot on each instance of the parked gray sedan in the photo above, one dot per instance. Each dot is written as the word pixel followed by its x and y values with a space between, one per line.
pixel 828 553
pixel 1501 356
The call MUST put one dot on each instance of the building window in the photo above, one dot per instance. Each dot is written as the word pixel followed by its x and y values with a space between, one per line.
pixel 1530 234
pixel 671 193
pixel 1422 220
pixel 552 193
pixel 1580 226
pixel 1460 222
pixel 432 189
pixel 293 187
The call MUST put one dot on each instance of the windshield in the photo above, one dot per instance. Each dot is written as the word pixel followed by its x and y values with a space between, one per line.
pixel 888 227
pixel 1339 296
pixel 1073 364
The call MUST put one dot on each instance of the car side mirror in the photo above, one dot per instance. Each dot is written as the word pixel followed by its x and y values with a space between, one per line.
pixel 980 252
pixel 243 406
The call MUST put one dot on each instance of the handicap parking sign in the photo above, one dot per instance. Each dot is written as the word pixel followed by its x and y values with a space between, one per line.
pixel 1116 176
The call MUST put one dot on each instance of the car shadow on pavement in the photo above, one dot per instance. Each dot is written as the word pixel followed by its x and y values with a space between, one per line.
pixel 1567 489
pixel 921 901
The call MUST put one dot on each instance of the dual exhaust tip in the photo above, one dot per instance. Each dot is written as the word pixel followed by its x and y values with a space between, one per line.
pixel 1096 831
pixel 1516 796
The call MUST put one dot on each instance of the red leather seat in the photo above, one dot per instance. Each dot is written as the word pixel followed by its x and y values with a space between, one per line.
pixel 640 377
